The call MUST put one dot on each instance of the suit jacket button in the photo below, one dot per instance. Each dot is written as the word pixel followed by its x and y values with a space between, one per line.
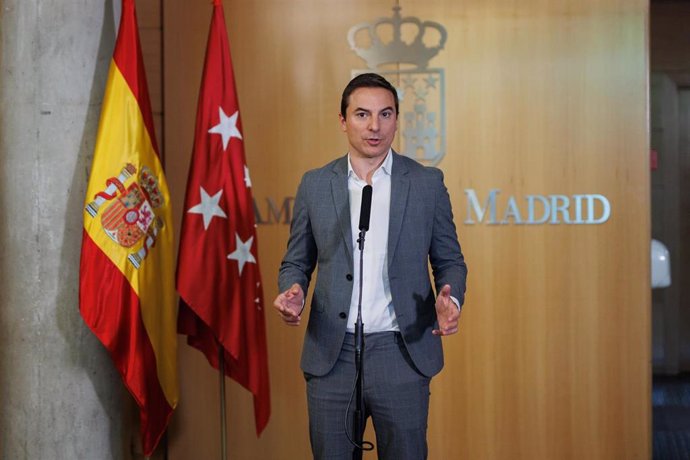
pixel 343 315
pixel 349 277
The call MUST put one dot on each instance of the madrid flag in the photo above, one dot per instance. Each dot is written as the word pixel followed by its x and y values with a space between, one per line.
pixel 218 278
pixel 126 289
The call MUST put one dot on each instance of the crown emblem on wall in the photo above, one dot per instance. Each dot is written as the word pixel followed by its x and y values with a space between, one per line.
pixel 397 50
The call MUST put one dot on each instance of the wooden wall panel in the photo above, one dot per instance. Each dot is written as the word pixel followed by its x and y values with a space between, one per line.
pixel 553 357
pixel 149 16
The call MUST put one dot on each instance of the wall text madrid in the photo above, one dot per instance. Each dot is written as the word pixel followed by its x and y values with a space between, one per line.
pixel 273 212
pixel 497 209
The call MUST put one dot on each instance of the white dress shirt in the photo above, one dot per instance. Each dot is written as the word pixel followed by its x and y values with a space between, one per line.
pixel 377 303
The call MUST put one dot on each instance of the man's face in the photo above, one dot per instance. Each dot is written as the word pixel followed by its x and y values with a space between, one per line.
pixel 371 122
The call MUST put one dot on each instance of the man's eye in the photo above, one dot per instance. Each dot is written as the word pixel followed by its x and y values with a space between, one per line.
pixel 360 114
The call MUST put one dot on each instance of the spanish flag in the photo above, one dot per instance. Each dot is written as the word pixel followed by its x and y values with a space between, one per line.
pixel 127 290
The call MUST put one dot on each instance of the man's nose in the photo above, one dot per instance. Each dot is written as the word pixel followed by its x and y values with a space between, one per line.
pixel 374 124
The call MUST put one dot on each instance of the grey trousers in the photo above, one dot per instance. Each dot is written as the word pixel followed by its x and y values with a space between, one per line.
pixel 396 397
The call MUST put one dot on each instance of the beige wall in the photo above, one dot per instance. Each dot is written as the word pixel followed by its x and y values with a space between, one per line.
pixel 553 357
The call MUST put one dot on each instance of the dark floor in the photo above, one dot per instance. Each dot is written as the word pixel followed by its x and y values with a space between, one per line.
pixel 671 417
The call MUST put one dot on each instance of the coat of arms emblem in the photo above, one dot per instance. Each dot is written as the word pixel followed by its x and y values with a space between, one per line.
pixel 421 90
pixel 130 215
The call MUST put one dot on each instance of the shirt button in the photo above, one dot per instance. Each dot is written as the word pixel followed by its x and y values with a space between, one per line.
pixel 343 315
pixel 349 277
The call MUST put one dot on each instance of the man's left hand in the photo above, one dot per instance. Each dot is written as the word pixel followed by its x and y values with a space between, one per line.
pixel 447 313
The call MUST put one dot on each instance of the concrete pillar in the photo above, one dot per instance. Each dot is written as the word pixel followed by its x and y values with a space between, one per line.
pixel 60 394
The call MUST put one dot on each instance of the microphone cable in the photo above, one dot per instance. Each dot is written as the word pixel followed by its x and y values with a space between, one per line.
pixel 366 445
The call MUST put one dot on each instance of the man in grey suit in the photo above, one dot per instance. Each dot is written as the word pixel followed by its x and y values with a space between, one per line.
pixel 411 225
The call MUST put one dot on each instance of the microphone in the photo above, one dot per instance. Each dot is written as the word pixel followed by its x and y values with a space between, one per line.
pixel 365 211
pixel 358 390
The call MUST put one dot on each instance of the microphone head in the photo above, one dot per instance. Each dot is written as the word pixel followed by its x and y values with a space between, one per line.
pixel 365 211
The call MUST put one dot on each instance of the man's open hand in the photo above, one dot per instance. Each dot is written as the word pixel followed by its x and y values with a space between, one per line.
pixel 290 304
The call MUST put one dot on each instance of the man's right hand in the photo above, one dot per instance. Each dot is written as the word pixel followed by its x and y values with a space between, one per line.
pixel 290 304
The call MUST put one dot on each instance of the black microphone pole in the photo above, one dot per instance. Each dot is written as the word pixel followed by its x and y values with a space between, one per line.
pixel 365 213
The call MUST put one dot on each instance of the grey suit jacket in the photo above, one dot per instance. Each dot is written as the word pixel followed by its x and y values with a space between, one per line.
pixel 421 230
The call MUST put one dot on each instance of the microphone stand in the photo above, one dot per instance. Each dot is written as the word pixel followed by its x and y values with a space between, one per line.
pixel 359 358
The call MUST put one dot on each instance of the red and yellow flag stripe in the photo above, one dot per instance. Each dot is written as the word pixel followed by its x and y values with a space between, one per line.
pixel 127 291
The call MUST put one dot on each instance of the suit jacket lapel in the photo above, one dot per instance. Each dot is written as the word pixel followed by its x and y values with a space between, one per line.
pixel 400 186
pixel 341 200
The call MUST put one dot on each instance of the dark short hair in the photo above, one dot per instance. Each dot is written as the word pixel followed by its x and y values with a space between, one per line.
pixel 366 80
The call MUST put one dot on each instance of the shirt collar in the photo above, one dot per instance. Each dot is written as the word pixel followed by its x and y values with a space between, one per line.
pixel 386 166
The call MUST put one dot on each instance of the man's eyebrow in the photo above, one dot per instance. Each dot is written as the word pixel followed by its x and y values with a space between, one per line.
pixel 362 109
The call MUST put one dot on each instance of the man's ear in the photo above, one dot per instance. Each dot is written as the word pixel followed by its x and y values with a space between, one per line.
pixel 343 122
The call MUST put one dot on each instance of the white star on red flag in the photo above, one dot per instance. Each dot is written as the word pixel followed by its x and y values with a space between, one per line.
pixel 227 127
pixel 208 207
pixel 243 252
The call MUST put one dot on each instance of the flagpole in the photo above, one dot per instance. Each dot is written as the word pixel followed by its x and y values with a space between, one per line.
pixel 223 420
